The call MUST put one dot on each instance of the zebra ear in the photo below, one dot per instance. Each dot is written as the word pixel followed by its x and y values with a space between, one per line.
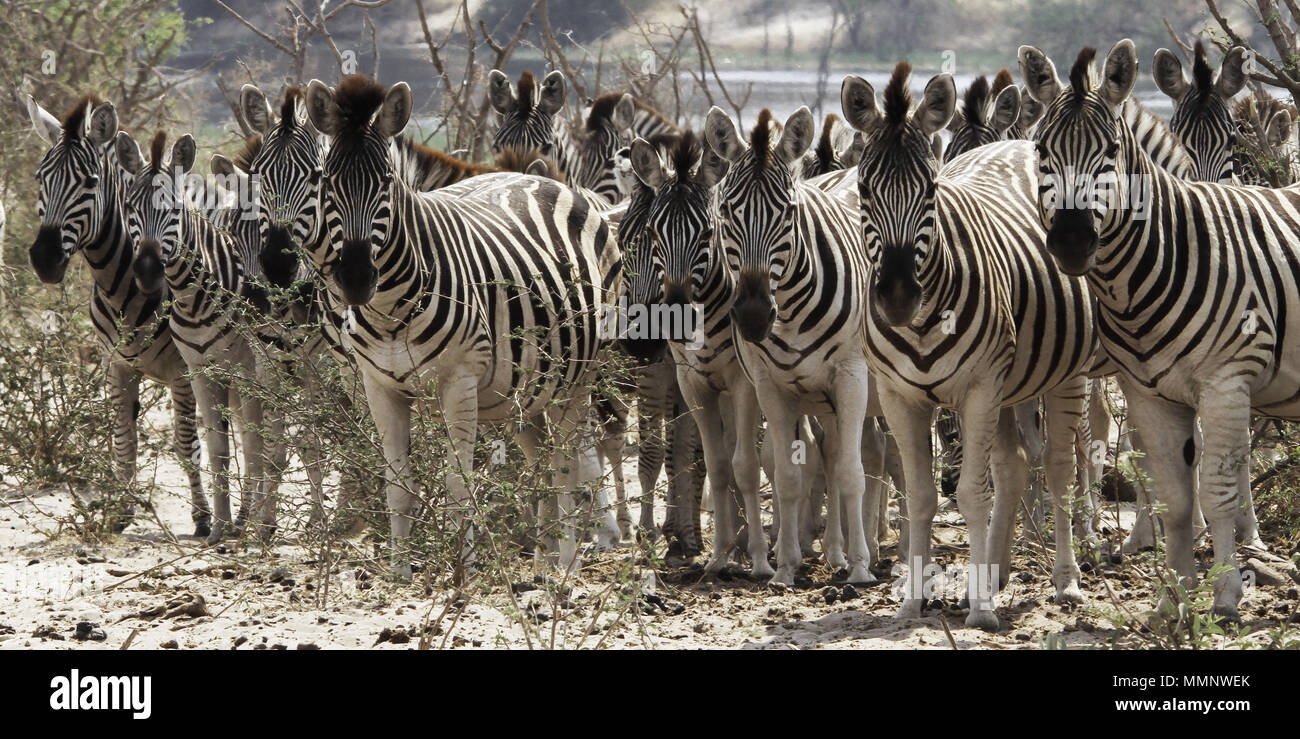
pixel 1232 76
pixel 46 126
pixel 712 168
pixel 322 109
pixel 1119 73
pixel 128 153
pixel 552 97
pixel 852 156
pixel 797 136
pixel 254 109
pixel 501 95
pixel 1279 129
pixel 858 103
pixel 646 164
pixel 395 112
pixel 721 134
pixel 1167 69
pixel 538 168
pixel 183 153
pixel 1039 74
pixel 624 112
pixel 1030 110
pixel 103 124
pixel 1006 109
pixel 938 105
pixel 223 167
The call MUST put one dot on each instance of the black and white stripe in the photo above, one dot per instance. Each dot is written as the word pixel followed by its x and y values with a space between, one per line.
pixel 966 313
pixel 80 207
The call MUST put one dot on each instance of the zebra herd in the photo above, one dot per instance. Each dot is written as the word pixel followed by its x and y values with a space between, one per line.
pixel 845 285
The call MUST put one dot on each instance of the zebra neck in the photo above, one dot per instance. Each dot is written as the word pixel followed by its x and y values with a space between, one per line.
pixel 1131 233
pixel 940 277
pixel 405 260
pixel 194 274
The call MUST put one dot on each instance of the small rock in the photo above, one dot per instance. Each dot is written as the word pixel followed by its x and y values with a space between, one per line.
pixel 170 644
pixel 1021 636
pixel 307 647
pixel 48 632
pixel 1293 593
pixel 700 627
pixel 848 593
pixel 393 636
pixel 240 641
pixel 89 630
pixel 1265 574
pixel 279 647
pixel 830 594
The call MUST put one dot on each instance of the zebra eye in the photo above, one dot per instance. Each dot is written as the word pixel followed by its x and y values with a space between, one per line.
pixel 1112 149
pixel 92 181
pixel 315 176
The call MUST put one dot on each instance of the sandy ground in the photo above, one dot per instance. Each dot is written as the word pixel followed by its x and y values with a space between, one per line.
pixel 143 587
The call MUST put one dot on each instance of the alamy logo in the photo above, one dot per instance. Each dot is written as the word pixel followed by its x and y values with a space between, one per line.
pixel 95 693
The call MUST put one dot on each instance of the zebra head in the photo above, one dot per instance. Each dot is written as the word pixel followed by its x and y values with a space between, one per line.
pixel 835 149
pixel 79 182
pixel 1259 114
pixel 155 203
pixel 897 183
pixel 360 119
pixel 1078 142
pixel 526 119
pixel 285 158
pixel 679 174
pixel 590 150
pixel 986 115
pixel 1202 109
pixel 757 209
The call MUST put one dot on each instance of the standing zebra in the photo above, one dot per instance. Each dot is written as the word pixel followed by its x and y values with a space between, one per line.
pixel 966 313
pixel 584 152
pixel 488 288
pixel 793 251
pixel 80 207
pixel 193 258
pixel 1266 125
pixel 1196 288
pixel 1202 116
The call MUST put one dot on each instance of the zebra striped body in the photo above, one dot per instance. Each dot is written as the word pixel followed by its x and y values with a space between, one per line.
pixel 966 313
pixel 193 256
pixel 489 288
pixel 1195 302
pixel 81 208
pixel 794 251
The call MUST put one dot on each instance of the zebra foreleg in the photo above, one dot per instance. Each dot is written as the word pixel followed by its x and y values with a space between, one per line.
pixel 185 445
pixel 707 413
pixel 745 466
pixel 910 425
pixel 1226 410
pixel 1010 466
pixel 873 467
pixel 391 411
pixel 1063 411
pixel 979 423
pixel 216 437
pixel 124 390
pixel 650 459
pixel 1168 440
pixel 252 441
pixel 782 420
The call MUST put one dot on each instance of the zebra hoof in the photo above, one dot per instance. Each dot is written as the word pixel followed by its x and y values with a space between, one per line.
pixel 784 576
pixel 217 534
pixel 982 620
pixel 762 570
pixel 202 527
pixel 861 575
pixel 911 609
pixel 1070 594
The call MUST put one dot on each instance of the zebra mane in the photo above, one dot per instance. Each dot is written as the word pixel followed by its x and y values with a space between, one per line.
pixel 1080 73
pixel 527 90
pixel 976 102
pixel 1001 81
pixel 1262 104
pixel 516 160
pixel 602 110
pixel 1201 72
pixel 156 148
pixel 358 97
pixel 248 152
pixel 825 150
pixel 685 151
pixel 898 99
pixel 761 137
pixel 428 162
pixel 288 116
pixel 75 119
pixel 652 112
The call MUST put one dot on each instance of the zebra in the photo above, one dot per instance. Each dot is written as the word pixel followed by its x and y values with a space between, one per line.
pixel 1266 116
pixel 1180 357
pixel 1202 117
pixel 80 209
pixel 488 288
pixel 837 148
pixel 966 312
pixel 193 258
pixel 585 152
pixel 792 250
pixel 986 116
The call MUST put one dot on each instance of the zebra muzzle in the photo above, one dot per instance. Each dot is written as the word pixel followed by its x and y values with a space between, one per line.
pixel 279 261
pixel 355 273
pixel 48 258
pixel 148 269
pixel 754 311
pixel 1072 241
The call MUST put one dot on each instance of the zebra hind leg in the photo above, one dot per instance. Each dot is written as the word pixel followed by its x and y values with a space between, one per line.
pixel 185 445
pixel 124 392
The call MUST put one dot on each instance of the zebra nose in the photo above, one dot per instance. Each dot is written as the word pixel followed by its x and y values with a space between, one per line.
pixel 279 262
pixel 753 311
pixel 677 293
pixel 47 256
pixel 148 268
pixel 355 273
pixel 1072 241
